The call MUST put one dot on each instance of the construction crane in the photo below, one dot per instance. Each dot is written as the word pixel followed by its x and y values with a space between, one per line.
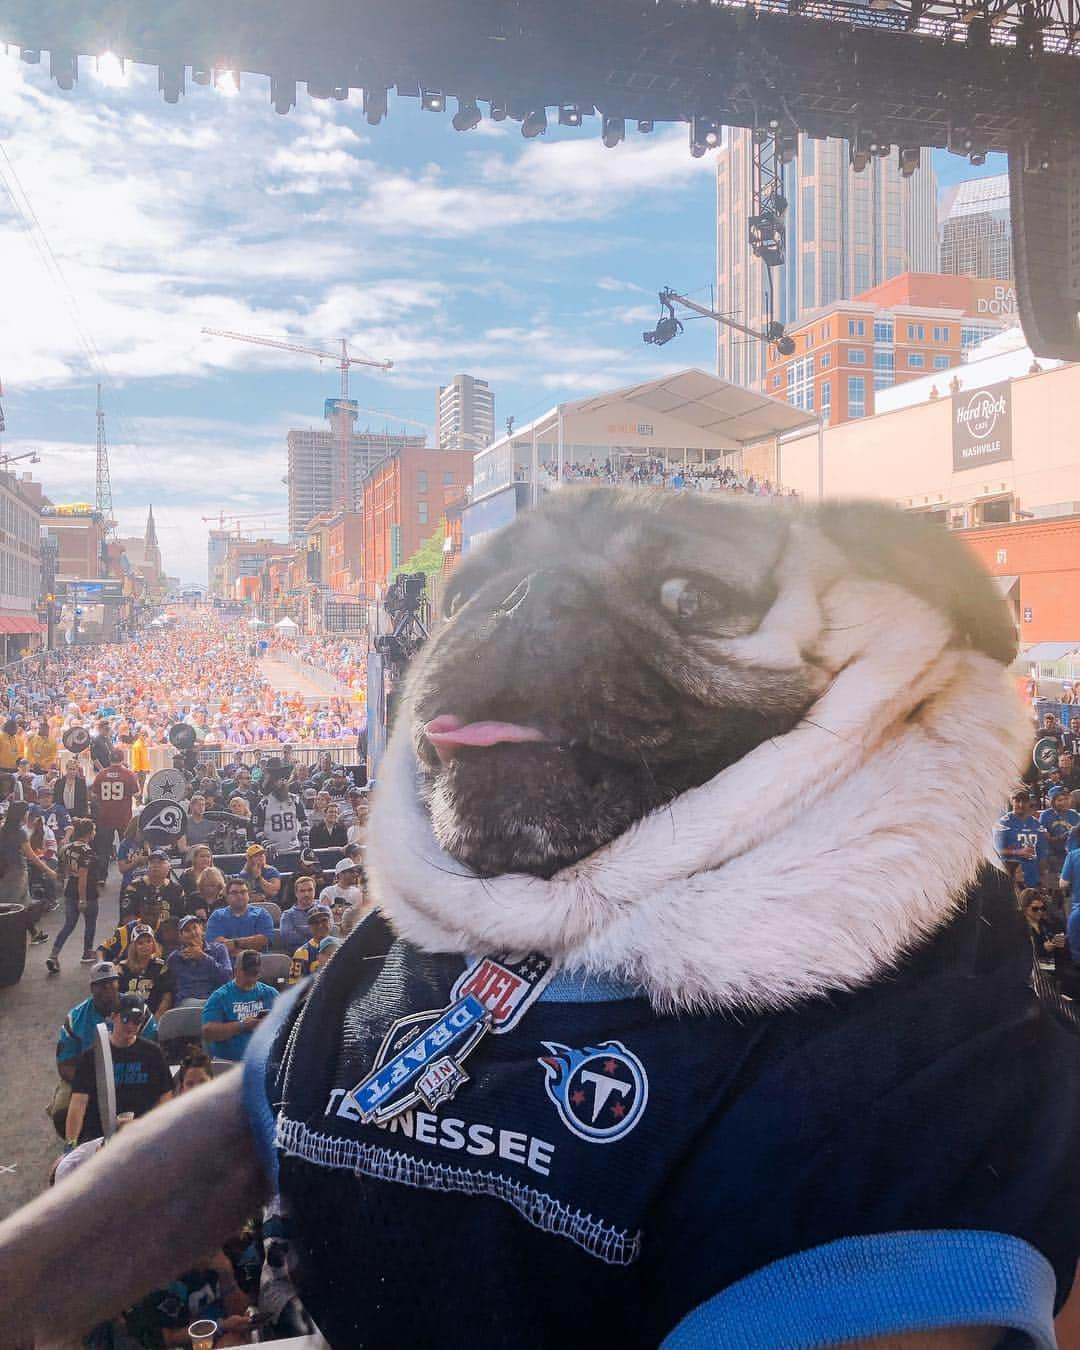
pixel 234 520
pixel 103 491
pixel 341 494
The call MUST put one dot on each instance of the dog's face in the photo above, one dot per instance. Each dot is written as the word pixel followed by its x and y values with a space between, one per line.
pixel 579 653
pixel 587 670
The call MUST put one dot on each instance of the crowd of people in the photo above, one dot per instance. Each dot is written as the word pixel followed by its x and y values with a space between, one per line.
pixel 652 472
pixel 341 658
pixel 255 895
pixel 204 670
pixel 1037 841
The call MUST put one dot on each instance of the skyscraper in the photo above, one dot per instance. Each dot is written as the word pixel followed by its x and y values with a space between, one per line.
pixel 846 232
pixel 312 456
pixel 976 231
pixel 464 414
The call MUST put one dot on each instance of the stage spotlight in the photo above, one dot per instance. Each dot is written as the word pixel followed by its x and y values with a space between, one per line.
pixel 467 115
pixel 909 158
pixel 569 115
pixel 200 75
pixel 374 106
pixel 704 135
pixel 64 68
pixel 498 112
pixel 612 131
pixel 645 125
pixel 787 146
pixel 433 100
pixel 282 94
pixel 227 82
pixel 534 123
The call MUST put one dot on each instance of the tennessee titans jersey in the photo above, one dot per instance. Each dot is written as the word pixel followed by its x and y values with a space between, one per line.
pixel 605 1175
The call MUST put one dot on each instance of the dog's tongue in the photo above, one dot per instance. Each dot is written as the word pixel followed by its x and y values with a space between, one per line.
pixel 448 733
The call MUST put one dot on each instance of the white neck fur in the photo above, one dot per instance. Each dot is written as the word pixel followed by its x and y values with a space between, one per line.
pixel 809 866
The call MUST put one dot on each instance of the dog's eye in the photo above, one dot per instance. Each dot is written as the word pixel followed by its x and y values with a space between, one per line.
pixel 707 610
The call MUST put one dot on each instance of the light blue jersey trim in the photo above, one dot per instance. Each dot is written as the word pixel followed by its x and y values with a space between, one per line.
pixel 577 987
pixel 256 1090
pixel 887 1284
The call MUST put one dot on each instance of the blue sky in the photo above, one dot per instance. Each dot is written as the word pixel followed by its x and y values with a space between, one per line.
pixel 534 265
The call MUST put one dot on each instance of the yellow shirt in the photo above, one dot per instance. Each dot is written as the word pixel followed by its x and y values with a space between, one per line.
pixel 9 752
pixel 42 751
pixel 140 756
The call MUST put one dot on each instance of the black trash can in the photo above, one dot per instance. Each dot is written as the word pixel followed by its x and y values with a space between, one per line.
pixel 12 943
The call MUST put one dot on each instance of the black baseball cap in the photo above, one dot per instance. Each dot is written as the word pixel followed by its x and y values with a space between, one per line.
pixel 131 1008
pixel 249 960
pixel 159 853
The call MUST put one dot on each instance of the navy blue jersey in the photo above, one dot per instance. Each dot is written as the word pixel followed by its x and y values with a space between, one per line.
pixel 899 1158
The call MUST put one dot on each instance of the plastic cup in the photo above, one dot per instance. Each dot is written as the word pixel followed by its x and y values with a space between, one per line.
pixel 124 1118
pixel 202 1334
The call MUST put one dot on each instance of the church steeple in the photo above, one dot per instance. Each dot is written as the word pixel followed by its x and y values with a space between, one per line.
pixel 151 531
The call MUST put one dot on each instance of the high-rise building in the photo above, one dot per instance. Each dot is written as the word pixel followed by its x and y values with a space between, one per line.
pixel 465 414
pixel 846 232
pixel 976 229
pixel 313 455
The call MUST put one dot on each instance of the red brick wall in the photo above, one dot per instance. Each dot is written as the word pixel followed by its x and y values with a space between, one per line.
pixel 1045 555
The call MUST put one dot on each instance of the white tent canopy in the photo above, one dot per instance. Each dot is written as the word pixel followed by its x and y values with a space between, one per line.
pixel 287 625
pixel 256 623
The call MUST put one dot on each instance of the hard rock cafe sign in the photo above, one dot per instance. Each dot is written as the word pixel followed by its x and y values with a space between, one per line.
pixel 982 426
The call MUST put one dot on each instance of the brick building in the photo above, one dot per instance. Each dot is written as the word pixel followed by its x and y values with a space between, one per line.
pixel 1037 566
pixel 404 498
pixel 910 326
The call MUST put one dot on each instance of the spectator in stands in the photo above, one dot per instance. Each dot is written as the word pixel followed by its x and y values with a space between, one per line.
pixel 150 913
pixel 140 756
pixel 1057 820
pixel 139 1071
pixel 210 894
pixel 317 814
pixel 354 815
pixel 1018 837
pixel 132 853
pixel 240 926
pixel 199 859
pixel 329 832
pixel 101 748
pixel 195 1070
pixel 80 893
pixel 199 830
pixel 198 966
pixel 43 750
pixel 158 883
pixel 232 1012
pixel 238 806
pixel 77 1032
pixel 52 812
pixel 72 791
pixel 263 880
pixel 1069 772
pixel 1070 871
pixel 305 959
pixel 294 922
pixel 143 971
pixel 347 893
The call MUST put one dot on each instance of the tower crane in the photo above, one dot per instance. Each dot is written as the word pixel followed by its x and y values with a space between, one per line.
pixel 341 495
pixel 234 520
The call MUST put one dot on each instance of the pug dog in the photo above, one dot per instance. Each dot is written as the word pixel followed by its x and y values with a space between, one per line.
pixel 689 992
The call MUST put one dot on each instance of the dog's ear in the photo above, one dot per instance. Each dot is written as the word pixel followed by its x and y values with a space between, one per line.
pixel 889 545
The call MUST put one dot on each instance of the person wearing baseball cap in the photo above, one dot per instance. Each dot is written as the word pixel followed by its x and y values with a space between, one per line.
pixel 305 960
pixel 1019 838
pixel 79 1027
pixel 143 971
pixel 231 1013
pixel 197 967
pixel 263 880
pixel 1057 820
pixel 140 1073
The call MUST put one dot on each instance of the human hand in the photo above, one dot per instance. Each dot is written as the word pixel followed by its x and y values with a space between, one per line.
pixel 250 1023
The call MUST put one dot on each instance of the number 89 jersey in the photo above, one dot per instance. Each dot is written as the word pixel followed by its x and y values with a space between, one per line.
pixel 278 822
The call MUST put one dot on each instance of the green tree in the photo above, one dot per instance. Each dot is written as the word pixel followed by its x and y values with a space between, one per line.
pixel 428 558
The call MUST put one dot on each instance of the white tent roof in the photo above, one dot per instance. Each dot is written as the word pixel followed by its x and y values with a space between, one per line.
pixel 256 623
pixel 287 623
pixel 706 402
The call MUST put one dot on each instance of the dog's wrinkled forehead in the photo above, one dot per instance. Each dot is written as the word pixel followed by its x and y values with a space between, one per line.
pixel 623 539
